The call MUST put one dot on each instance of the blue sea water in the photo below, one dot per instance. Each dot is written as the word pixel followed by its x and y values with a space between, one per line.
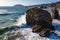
pixel 9 16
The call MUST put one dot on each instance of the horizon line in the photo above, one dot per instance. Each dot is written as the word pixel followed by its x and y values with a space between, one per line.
pixel 27 5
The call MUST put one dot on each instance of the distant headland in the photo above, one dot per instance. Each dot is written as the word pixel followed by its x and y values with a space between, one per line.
pixel 18 5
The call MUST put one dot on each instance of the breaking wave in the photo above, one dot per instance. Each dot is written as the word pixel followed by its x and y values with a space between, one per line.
pixel 21 20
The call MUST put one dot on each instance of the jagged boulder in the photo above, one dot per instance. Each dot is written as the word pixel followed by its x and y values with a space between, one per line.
pixel 40 21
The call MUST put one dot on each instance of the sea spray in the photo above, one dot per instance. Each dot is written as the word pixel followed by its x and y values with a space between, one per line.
pixel 21 20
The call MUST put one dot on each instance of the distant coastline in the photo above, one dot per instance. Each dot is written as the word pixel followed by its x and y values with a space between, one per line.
pixel 57 4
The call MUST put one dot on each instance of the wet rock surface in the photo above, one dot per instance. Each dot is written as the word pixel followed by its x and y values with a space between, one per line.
pixel 39 20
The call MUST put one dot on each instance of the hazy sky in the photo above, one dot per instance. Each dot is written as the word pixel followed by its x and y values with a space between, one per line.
pixel 24 2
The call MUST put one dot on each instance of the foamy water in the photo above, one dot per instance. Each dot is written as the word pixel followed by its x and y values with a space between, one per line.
pixel 56 21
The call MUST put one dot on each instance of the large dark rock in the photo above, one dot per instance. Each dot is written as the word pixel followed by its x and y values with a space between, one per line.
pixel 54 13
pixel 40 21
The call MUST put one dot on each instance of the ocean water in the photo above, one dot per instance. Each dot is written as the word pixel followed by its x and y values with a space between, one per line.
pixel 16 23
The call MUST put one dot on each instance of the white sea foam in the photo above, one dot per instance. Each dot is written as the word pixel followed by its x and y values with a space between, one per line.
pixel 29 35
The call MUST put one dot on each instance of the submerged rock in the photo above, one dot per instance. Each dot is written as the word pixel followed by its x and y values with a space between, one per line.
pixel 40 21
